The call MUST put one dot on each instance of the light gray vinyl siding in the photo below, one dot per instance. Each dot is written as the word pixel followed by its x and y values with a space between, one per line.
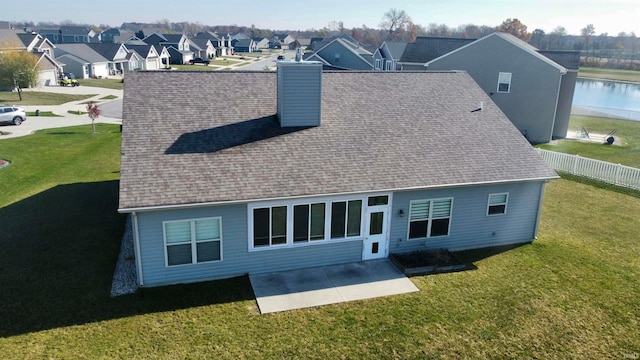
pixel 470 227
pixel 533 96
pixel 299 93
pixel 563 113
pixel 236 259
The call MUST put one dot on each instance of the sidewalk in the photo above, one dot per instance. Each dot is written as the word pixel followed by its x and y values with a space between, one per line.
pixel 65 119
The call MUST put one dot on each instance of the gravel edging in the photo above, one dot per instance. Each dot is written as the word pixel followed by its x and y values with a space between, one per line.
pixel 125 280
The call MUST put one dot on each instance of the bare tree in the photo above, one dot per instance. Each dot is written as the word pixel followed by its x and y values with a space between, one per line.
pixel 588 31
pixel 94 112
pixel 394 21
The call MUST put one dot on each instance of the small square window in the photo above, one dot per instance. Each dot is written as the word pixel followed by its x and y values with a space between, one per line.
pixel 497 204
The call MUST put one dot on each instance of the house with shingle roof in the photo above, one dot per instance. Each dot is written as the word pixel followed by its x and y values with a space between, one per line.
pixel 84 61
pixel 533 88
pixel 177 45
pixel 39 46
pixel 315 168
pixel 342 54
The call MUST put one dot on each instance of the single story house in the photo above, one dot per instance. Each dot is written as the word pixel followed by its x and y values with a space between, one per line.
pixel 85 62
pixel 342 53
pixel 315 168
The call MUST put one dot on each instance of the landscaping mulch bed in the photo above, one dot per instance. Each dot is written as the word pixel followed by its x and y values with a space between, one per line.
pixel 424 262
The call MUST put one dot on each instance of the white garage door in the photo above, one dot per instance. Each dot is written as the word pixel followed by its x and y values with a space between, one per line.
pixel 152 65
pixel 47 78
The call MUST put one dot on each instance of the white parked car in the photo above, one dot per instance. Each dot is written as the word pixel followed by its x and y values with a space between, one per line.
pixel 12 114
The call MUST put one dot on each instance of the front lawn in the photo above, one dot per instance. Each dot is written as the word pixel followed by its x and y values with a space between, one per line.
pixel 39 98
pixel 627 130
pixel 116 83
pixel 573 293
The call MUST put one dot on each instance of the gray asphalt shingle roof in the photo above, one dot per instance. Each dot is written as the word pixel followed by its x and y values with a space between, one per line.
pixel 425 48
pixel 380 131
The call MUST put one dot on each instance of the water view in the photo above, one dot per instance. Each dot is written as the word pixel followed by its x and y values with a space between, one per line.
pixel 617 99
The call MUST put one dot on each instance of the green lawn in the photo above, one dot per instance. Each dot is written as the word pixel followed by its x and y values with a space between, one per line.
pixel 39 98
pixel 628 130
pixel 103 83
pixel 195 68
pixel 573 293
pixel 610 74
pixel 42 113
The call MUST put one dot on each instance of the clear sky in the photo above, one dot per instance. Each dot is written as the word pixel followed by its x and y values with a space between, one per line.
pixel 610 16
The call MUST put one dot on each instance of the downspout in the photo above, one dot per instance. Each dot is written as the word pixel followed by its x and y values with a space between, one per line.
pixel 136 242
pixel 539 212
pixel 555 109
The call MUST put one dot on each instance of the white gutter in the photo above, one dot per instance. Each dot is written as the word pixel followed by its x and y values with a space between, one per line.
pixel 232 202
pixel 136 243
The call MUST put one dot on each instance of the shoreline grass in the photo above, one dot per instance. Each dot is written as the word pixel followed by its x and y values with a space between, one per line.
pixel 609 74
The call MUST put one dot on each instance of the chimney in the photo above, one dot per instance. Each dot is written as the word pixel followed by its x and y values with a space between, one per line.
pixel 299 92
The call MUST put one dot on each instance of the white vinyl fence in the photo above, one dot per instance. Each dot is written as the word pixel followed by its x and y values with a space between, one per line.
pixel 594 169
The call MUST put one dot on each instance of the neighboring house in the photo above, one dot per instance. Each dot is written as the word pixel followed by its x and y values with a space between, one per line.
pixel 116 36
pixel 387 56
pixel 302 43
pixel 149 56
pixel 49 69
pixel 240 36
pixel 203 48
pixel 261 43
pixel 118 57
pixel 222 45
pixel 178 46
pixel 281 41
pixel 351 166
pixel 70 34
pixel 40 46
pixel 340 53
pixel 243 45
pixel 533 90
pixel 83 61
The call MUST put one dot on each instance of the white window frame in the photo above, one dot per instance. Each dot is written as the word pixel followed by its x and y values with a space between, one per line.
pixel 430 218
pixel 378 64
pixel 328 201
pixel 193 242
pixel 388 66
pixel 505 203
pixel 504 78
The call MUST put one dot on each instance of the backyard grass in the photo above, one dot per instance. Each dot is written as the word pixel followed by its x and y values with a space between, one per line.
pixel 610 74
pixel 39 98
pixel 628 130
pixel 103 83
pixel 573 293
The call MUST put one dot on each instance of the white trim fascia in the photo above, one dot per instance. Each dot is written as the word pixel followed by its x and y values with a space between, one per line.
pixel 245 201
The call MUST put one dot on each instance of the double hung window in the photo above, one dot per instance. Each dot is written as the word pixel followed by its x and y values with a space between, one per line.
pixel 193 241
pixel 429 218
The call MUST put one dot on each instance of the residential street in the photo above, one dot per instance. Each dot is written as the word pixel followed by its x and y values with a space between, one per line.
pixel 110 110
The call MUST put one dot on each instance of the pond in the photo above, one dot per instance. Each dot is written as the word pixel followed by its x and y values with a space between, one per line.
pixel 608 96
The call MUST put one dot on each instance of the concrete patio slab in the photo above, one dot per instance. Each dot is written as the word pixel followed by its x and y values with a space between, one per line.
pixel 324 285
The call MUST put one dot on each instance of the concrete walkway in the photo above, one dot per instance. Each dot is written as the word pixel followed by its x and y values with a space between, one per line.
pixel 324 285
pixel 35 123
